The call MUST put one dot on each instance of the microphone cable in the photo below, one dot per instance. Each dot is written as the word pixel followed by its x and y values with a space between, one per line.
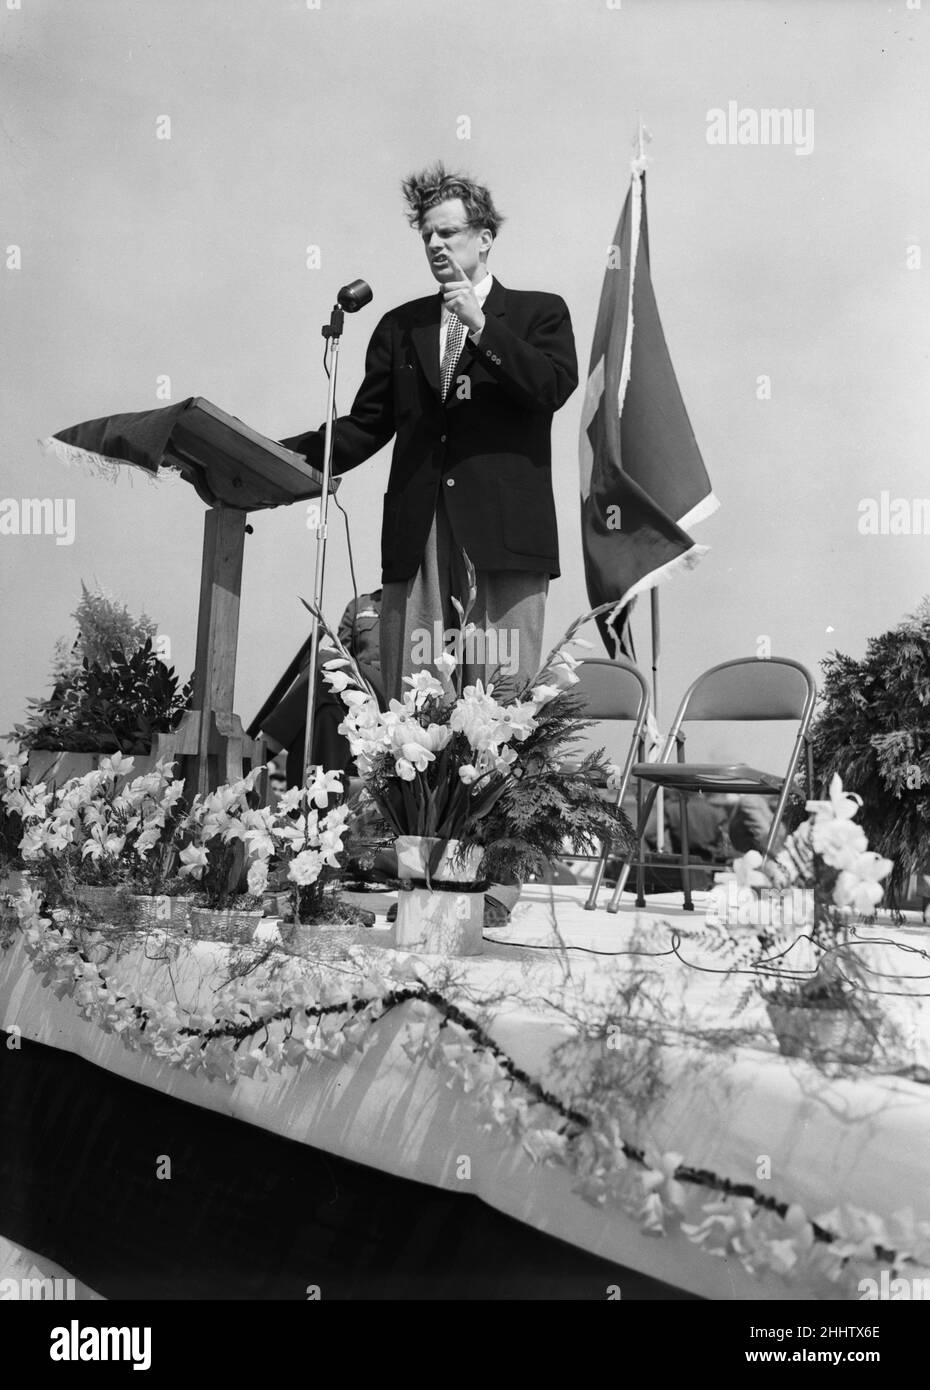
pixel 345 518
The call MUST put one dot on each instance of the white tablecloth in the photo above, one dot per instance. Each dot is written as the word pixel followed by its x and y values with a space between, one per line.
pixel 753 1117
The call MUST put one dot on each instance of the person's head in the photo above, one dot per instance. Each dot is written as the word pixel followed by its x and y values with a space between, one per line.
pixel 456 218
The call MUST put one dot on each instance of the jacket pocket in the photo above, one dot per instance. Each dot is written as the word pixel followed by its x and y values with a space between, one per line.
pixel 528 519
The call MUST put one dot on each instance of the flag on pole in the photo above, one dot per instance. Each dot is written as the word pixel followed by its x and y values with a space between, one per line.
pixel 643 481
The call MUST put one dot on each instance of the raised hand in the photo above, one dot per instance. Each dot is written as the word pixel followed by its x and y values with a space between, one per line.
pixel 459 297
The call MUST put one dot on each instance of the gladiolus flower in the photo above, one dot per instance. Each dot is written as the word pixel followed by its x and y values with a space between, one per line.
pixel 860 887
pixel 841 806
pixel 324 785
pixel 194 860
pixel 838 842
pixel 305 867
pixel 423 685
pixel 257 877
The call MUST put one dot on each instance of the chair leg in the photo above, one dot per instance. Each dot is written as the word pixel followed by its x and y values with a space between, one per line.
pixel 685 848
pixel 591 901
pixel 614 904
pixel 637 850
pixel 607 845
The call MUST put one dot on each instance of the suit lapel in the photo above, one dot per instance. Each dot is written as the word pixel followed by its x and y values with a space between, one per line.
pixel 496 302
pixel 425 337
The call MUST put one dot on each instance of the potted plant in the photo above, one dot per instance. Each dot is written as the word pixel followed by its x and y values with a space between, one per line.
pixel 829 1013
pixel 103 839
pixel 112 693
pixel 471 784
pixel 215 857
pixel 153 814
pixel 873 730
pixel 300 843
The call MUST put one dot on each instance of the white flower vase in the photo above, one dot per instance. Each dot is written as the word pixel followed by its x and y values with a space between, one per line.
pixel 438 921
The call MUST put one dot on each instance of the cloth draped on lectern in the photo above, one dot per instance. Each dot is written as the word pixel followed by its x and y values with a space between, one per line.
pixel 140 438
pixel 227 462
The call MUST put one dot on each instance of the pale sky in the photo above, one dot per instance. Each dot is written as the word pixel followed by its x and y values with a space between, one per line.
pixel 292 126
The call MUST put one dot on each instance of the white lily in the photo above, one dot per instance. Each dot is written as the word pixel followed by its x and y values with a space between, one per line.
pixel 194 860
pixel 860 887
pixel 841 806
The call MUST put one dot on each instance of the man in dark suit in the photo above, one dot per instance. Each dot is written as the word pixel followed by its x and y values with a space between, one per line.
pixel 467 382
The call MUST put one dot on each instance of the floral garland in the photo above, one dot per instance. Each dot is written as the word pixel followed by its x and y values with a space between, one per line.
pixel 658 1190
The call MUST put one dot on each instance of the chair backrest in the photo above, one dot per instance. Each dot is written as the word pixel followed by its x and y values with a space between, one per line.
pixel 750 688
pixel 611 689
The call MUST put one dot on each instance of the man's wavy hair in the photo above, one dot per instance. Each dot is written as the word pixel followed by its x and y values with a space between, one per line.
pixel 435 184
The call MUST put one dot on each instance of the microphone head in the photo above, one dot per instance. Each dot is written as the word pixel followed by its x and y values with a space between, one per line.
pixel 354 296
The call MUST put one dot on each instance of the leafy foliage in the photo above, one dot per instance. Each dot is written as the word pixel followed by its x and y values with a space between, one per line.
pixel 550 801
pixel 104 625
pixel 111 690
pixel 873 728
pixel 117 707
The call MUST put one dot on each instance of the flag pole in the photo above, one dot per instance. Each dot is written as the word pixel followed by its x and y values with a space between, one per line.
pixel 640 146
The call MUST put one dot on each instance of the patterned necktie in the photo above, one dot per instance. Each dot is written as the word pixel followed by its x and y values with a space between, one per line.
pixel 455 337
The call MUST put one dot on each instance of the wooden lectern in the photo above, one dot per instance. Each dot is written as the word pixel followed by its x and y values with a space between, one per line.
pixel 234 470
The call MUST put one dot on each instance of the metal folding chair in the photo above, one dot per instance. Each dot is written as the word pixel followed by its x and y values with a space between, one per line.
pixel 749 688
pixel 613 690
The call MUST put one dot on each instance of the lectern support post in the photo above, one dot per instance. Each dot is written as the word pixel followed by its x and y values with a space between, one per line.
pixel 333 332
pixel 210 738
pixel 217 630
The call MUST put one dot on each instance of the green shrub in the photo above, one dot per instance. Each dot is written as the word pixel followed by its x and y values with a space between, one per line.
pixel 873 728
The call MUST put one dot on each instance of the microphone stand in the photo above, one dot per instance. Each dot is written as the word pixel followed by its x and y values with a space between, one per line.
pixel 333 333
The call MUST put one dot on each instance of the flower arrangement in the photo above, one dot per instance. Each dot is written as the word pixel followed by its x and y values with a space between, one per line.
pixel 109 830
pixel 224 832
pixel 453 764
pixel 112 691
pixel 102 829
pixel 236 849
pixel 828 858
pixel 305 843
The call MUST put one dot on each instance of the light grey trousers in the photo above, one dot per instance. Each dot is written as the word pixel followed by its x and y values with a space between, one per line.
pixel 418 620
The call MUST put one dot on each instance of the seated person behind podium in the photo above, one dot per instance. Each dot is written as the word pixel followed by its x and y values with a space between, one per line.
pixel 359 630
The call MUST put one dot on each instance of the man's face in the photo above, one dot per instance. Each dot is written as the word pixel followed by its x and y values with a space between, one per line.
pixel 446 234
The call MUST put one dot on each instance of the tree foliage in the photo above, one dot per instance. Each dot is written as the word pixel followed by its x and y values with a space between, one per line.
pixel 873 728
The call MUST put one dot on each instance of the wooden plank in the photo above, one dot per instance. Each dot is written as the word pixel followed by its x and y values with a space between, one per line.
pixel 227 461
pixel 217 629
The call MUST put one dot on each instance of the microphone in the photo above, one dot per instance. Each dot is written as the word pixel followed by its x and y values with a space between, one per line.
pixel 354 296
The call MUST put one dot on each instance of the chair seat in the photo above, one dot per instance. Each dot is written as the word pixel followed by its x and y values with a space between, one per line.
pixel 710 777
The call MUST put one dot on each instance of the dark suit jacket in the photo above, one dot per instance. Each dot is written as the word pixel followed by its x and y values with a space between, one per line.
pixel 487 447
